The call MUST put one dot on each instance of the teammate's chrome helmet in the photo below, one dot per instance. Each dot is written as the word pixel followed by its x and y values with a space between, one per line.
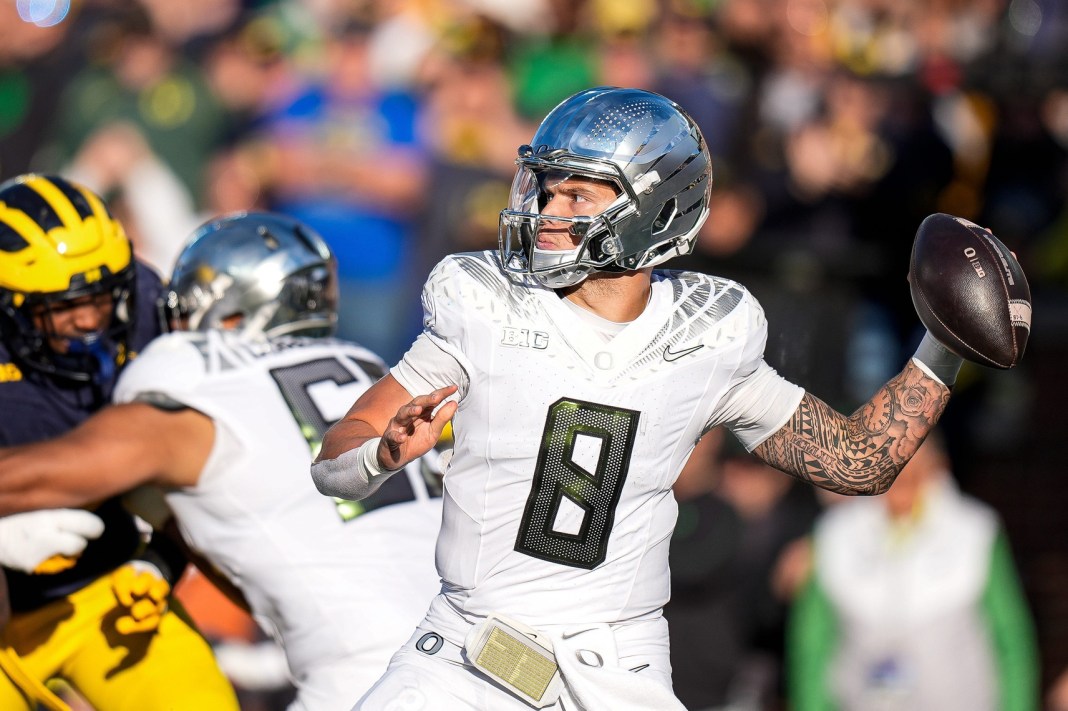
pixel 648 148
pixel 59 244
pixel 275 273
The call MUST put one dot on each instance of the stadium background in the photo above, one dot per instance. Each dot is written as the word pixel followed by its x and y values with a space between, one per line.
pixel 835 127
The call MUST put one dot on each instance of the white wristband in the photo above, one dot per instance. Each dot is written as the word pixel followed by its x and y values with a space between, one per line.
pixel 368 461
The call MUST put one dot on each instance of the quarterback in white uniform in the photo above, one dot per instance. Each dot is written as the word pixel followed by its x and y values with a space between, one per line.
pixel 227 421
pixel 578 381
pixel 585 539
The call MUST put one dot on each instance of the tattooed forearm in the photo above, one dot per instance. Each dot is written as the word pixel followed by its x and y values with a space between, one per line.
pixel 862 453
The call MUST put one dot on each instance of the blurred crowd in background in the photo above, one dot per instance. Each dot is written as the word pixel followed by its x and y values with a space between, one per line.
pixel 835 126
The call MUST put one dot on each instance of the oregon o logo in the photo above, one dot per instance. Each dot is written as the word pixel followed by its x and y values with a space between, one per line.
pixel 430 643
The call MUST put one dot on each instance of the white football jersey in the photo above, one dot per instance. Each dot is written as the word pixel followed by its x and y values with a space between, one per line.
pixel 339 584
pixel 558 505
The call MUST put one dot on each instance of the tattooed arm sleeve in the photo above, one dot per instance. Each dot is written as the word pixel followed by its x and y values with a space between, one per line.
pixel 862 453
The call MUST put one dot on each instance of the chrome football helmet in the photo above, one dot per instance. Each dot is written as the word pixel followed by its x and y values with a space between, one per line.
pixel 272 271
pixel 642 143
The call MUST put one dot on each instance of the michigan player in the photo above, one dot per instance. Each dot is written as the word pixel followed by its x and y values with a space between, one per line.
pixel 74 308
pixel 225 415
pixel 578 381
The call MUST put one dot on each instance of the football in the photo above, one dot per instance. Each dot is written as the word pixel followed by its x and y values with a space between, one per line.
pixel 969 291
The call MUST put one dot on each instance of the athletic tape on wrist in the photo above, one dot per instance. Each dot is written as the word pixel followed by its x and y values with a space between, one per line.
pixel 937 361
pixel 368 460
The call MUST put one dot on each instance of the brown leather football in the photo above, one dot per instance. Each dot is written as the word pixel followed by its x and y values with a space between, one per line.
pixel 970 291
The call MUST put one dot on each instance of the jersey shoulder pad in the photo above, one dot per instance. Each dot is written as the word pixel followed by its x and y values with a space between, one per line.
pixel 171 364
pixel 473 283
pixel 345 347
pixel 367 360
pixel 478 268
pixel 714 304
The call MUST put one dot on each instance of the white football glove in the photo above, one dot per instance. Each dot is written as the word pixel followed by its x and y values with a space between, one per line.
pixel 29 540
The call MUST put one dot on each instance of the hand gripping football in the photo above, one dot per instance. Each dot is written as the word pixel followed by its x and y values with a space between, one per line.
pixel 969 291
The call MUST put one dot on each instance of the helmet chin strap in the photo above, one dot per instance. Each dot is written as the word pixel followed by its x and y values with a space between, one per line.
pixel 566 273
pixel 560 281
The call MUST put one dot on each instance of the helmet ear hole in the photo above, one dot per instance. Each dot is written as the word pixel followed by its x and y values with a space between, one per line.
pixel 666 217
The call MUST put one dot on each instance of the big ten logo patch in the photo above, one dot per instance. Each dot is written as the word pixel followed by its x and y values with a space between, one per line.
pixel 524 338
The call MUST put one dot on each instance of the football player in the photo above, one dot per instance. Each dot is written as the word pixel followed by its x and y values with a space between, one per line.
pixel 578 380
pixel 75 307
pixel 224 416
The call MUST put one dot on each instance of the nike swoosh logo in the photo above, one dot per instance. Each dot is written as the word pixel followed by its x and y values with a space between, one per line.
pixel 670 355
pixel 639 668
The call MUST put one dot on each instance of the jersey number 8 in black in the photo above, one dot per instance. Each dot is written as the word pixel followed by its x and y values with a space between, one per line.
pixel 558 477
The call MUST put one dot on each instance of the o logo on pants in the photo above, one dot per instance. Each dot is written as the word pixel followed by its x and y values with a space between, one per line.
pixel 430 643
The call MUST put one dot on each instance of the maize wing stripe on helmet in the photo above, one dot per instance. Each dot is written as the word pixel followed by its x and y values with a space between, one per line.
pixel 56 237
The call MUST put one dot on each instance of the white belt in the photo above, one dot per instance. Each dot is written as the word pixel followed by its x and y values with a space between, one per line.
pixel 588 666
pixel 513 655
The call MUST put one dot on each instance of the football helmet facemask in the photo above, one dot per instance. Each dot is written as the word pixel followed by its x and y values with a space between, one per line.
pixel 274 273
pixel 640 142
pixel 59 246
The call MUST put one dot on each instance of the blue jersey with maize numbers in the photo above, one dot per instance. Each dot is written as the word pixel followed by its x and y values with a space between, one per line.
pixel 35 407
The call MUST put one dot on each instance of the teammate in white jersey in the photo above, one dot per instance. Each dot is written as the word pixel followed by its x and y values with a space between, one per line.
pixel 224 418
pixel 578 381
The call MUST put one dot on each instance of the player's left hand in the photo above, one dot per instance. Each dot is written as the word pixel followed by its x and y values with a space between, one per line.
pixel 143 591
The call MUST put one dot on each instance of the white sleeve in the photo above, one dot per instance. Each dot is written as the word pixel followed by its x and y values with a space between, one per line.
pixel 169 369
pixel 428 366
pixel 758 405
